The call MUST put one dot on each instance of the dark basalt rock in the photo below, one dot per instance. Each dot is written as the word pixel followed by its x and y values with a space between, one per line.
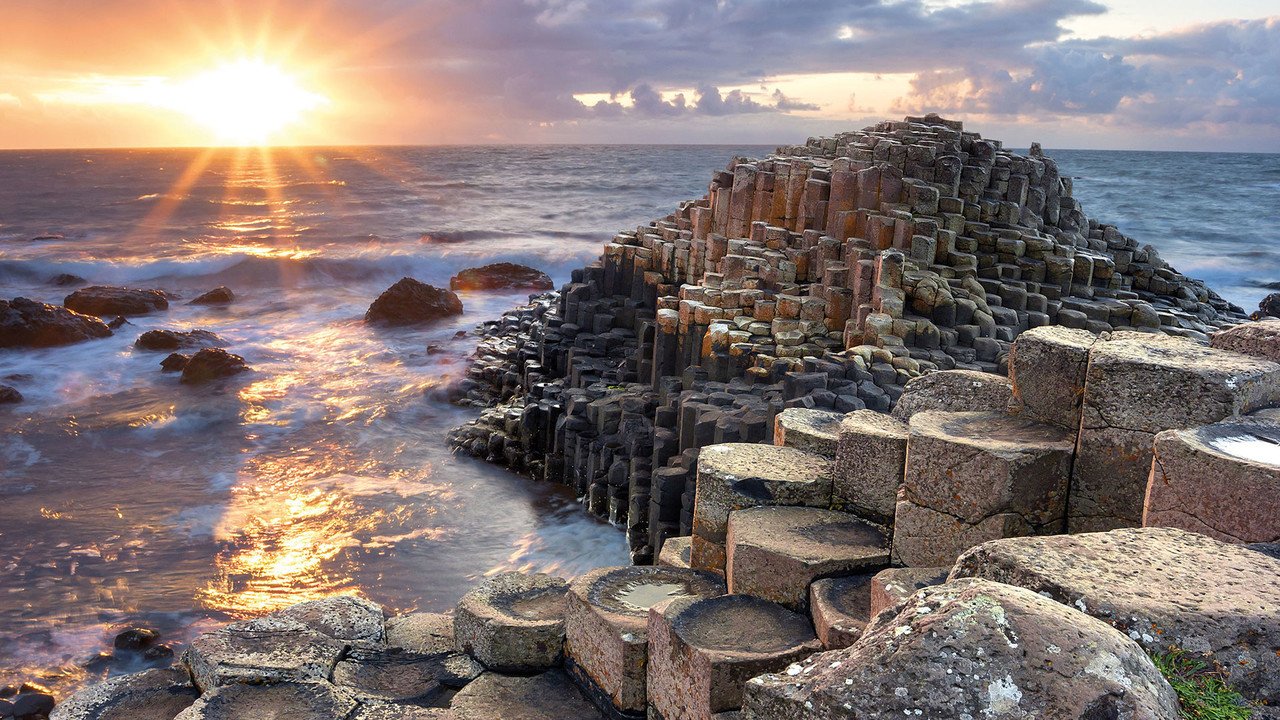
pixel 118 322
pixel 104 300
pixel 410 301
pixel 218 296
pixel 9 395
pixel 32 706
pixel 173 339
pixel 212 364
pixel 66 279
pixel 175 362
pixel 136 639
pixel 1269 307
pixel 500 276
pixel 27 323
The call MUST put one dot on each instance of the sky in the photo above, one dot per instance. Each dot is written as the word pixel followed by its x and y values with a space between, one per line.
pixel 1108 74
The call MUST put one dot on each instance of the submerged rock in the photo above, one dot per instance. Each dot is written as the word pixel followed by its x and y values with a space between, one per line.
pixel 9 395
pixel 27 323
pixel 501 276
pixel 104 300
pixel 174 339
pixel 410 301
pixel 220 295
pixel 211 364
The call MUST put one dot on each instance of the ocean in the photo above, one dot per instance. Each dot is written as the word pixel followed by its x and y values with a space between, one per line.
pixel 128 499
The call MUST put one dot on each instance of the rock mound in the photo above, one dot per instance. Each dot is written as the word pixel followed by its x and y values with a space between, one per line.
pixel 220 295
pixel 501 276
pixel 410 301
pixel 9 395
pixel 27 323
pixel 66 279
pixel 102 300
pixel 206 365
pixel 175 339
pixel 1269 307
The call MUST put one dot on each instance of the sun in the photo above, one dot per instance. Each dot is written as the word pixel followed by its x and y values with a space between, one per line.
pixel 245 102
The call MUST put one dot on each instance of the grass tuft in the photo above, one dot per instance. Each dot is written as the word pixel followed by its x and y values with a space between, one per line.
pixel 1202 691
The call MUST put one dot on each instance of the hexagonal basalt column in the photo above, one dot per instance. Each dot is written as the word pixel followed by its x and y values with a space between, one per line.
pixel 894 585
pixel 316 699
pixel 954 391
pixel 871 457
pixel 265 650
pixel 815 431
pixel 703 651
pixel 1139 385
pixel 513 622
pixel 735 476
pixel 1047 365
pixel 606 632
pixel 840 608
pixel 676 551
pixel 1220 480
pixel 975 476
pixel 776 552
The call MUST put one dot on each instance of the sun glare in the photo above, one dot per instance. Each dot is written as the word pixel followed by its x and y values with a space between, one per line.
pixel 246 102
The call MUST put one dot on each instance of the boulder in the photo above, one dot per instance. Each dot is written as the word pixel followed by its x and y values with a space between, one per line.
pixel 1139 385
pixel 27 323
pixel 210 364
pixel 1268 308
pixel 501 276
pixel 1047 367
pixel 1163 587
pixel 316 700
pixel 775 553
pixel 344 617
pixel 606 636
pixel 102 300
pixel 977 476
pixel 840 608
pixel 422 633
pixel 972 649
pixel 9 395
pixel 676 552
pixel 173 339
pixel 220 295
pixel 703 650
pixel 871 457
pixel 894 585
pixel 135 639
pixel 265 650
pixel 513 622
pixel 409 302
pixel 149 695
pixel 734 476
pixel 815 431
pixel 954 391
pixel 549 696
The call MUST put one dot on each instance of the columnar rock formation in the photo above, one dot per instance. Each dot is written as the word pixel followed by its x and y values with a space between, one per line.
pixel 825 276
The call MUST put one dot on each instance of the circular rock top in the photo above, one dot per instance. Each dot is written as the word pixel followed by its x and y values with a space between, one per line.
pixel 629 592
pixel 808 533
pixel 739 624
pixel 519 597
pixel 993 431
pixel 765 462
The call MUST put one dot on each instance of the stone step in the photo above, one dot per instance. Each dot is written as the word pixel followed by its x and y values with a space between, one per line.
pixel 676 551
pixel 871 458
pixel 513 622
pixel 978 476
pixel 606 628
pixel 840 608
pixel 735 476
pixel 702 651
pixel 894 585
pixel 237 701
pixel 955 391
pixel 1047 366
pixel 815 431
pixel 776 552
pixel 548 696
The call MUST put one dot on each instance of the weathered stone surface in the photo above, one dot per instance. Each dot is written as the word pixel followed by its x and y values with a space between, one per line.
pixel 393 675
pixel 409 301
pixel 265 650
pixel 1139 385
pixel 500 276
pixel 894 585
pixel 871 458
pixel 211 364
pixel 220 295
pixel 606 625
pixel 174 339
pixel 776 552
pixel 1259 339
pixel 840 608
pixel 703 650
pixel 1221 480
pixel 676 551
pixel 101 300
pixel 734 476
pixel 1047 366
pixel 1163 587
pixel 421 633
pixel 396 711
pixel 972 649
pixel 149 695
pixel 954 391
pixel 344 617
pixel 26 323
pixel 815 431
pixel 976 476
pixel 549 696
pixel 513 622
pixel 295 701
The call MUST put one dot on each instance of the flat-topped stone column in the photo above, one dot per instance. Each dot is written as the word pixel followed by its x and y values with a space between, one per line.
pixel 676 551
pixel 955 391
pixel 978 476
pixel 702 651
pixel 840 609
pixel 1047 366
pixel 776 552
pixel 548 696
pixel 871 457
pixel 815 431
pixel 1139 385
pixel 735 476
pixel 1221 480
pixel 894 585
pixel 513 622
pixel 606 625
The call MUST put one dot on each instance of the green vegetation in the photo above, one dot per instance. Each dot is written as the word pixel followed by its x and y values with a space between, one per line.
pixel 1203 692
